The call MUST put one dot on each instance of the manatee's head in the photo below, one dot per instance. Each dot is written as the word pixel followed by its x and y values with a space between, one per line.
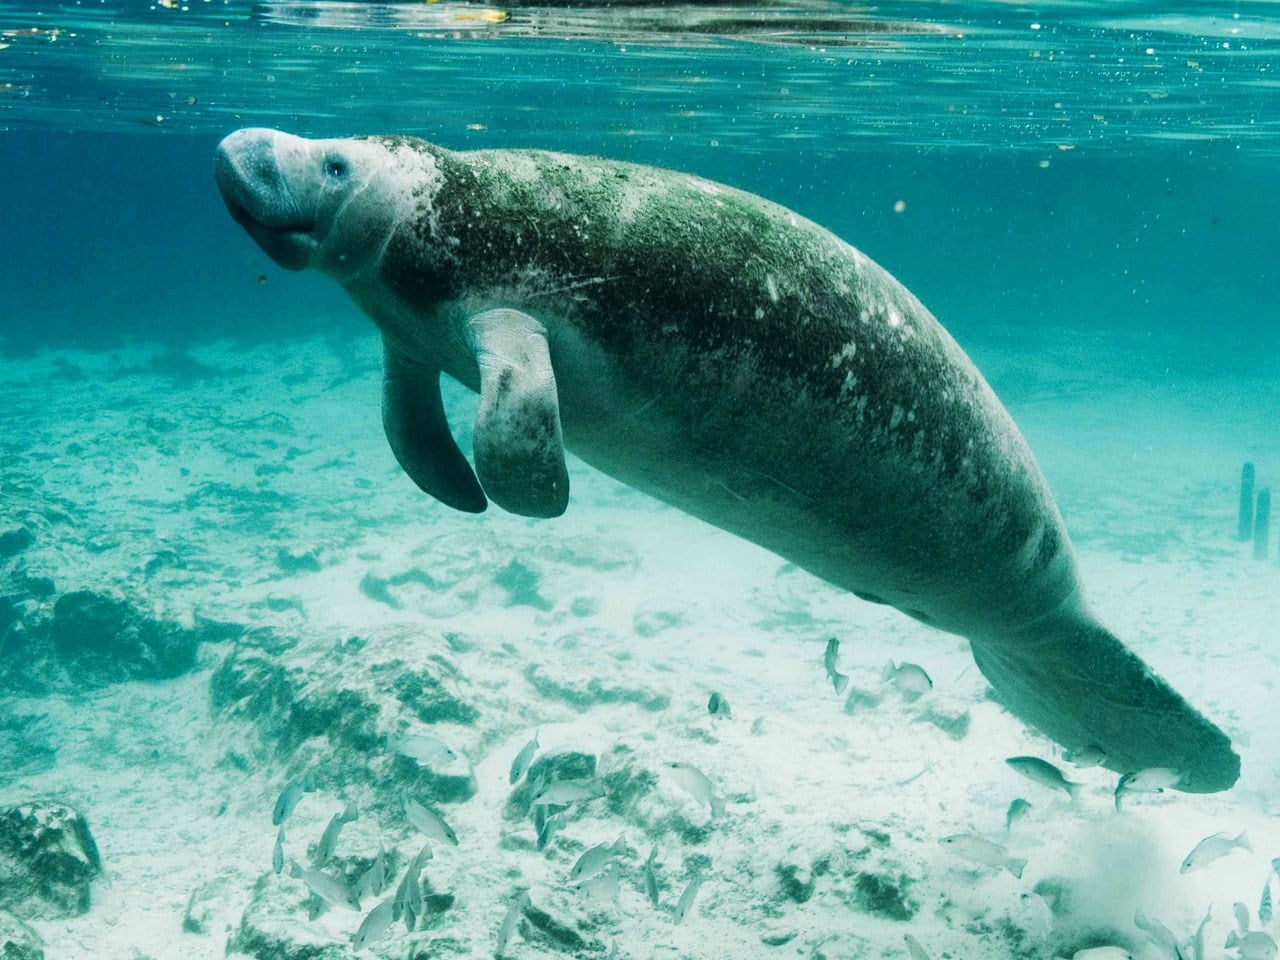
pixel 325 204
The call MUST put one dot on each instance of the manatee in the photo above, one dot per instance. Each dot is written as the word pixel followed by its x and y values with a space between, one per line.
pixel 730 358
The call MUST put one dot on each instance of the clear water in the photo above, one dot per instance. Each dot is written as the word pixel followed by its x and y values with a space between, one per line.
pixel 1084 194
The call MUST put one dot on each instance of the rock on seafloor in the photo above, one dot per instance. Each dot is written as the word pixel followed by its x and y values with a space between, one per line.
pixel 563 924
pixel 89 639
pixel 583 691
pixel 14 540
pixel 17 940
pixel 334 709
pixel 48 859
pixel 273 926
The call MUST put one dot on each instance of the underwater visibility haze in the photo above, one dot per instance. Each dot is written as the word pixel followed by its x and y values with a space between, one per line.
pixel 769 479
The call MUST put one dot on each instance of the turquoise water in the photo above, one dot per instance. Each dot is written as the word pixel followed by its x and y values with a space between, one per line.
pixel 1084 194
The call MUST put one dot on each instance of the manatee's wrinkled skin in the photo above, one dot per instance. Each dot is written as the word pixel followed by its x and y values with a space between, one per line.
pixel 730 358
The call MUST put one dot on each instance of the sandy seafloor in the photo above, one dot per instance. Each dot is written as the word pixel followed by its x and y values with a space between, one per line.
pixel 140 449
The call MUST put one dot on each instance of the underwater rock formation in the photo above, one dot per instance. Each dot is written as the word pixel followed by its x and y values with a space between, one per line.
pixel 48 860
pixel 335 710
pixel 90 639
pixel 565 925
pixel 584 691
pixel 17 940
pixel 270 928
pixel 14 540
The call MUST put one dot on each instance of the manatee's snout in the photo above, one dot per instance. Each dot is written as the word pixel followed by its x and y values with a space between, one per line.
pixel 264 178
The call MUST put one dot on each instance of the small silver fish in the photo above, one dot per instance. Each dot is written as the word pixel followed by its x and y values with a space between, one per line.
pixel 685 903
pixel 564 792
pixel 400 899
pixel 407 901
pixel 1017 810
pixel 1242 917
pixel 412 905
pixel 549 827
pixel 718 706
pixel 913 947
pixel 315 906
pixel 421 859
pixel 288 799
pixel 374 925
pixel 525 757
pixel 329 889
pixel 427 821
pixel 982 851
pixel 374 880
pixel 909 679
pixel 602 887
pixel 1213 848
pixel 1158 934
pixel 329 839
pixel 512 920
pixel 425 749
pixel 1046 774
pixel 1264 905
pixel 650 879
pixel 536 787
pixel 1085 757
pixel 1197 940
pixel 277 852
pixel 1252 946
pixel 696 783
pixel 1151 780
pixel 594 860
pixel 830 659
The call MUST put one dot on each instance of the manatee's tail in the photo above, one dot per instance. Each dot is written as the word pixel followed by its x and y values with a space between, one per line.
pixel 1077 683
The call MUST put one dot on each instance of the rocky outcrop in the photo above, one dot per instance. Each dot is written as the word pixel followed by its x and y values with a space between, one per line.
pixel 582 691
pixel 271 929
pixel 48 859
pixel 17 940
pixel 89 639
pixel 15 540
pixel 561 922
pixel 334 710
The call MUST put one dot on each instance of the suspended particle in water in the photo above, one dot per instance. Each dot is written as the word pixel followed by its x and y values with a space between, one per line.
pixel 899 206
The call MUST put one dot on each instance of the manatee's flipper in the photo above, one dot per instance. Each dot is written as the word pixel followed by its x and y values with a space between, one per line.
pixel 1075 682
pixel 414 421
pixel 518 447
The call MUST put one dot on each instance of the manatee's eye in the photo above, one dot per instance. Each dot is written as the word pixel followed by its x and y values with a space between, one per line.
pixel 333 167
